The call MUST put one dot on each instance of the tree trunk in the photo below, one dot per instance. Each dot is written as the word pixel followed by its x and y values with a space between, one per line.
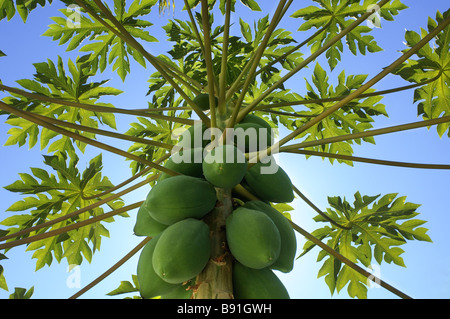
pixel 215 281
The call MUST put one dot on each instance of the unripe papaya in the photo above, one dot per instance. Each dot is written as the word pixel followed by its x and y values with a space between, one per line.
pixel 285 262
pixel 184 291
pixel 225 166
pixel 252 137
pixel 252 118
pixel 251 283
pixel 194 137
pixel 273 185
pixel 182 251
pixel 150 284
pixel 180 197
pixel 253 238
pixel 146 225
pixel 202 101
pixel 186 162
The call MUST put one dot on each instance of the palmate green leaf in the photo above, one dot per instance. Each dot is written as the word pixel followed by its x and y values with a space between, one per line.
pixel 8 8
pixel 55 196
pixel 356 116
pixel 158 130
pixel 378 227
pixel 54 81
pixel 22 293
pixel 126 287
pixel 105 47
pixel 334 16
pixel 433 98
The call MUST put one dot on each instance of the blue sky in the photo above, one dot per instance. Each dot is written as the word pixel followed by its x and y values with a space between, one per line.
pixel 428 264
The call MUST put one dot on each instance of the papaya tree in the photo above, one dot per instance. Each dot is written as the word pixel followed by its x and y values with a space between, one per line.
pixel 225 98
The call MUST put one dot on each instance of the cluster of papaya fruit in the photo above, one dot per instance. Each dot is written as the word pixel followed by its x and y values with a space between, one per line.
pixel 259 238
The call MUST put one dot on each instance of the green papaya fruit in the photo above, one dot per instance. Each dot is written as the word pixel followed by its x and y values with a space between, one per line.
pixel 146 225
pixel 285 262
pixel 180 197
pixel 194 137
pixel 251 283
pixel 182 251
pixel 202 101
pixel 270 182
pixel 150 284
pixel 253 238
pixel 184 291
pixel 186 162
pixel 252 137
pixel 225 166
pixel 252 118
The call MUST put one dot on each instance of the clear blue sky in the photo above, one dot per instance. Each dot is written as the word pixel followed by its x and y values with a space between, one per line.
pixel 428 264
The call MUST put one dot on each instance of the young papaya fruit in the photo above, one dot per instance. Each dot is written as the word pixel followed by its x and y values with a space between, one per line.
pixel 285 262
pixel 273 184
pixel 194 137
pixel 182 251
pixel 253 238
pixel 150 284
pixel 252 118
pixel 252 137
pixel 180 197
pixel 146 225
pixel 184 291
pixel 186 162
pixel 249 283
pixel 225 166
pixel 202 101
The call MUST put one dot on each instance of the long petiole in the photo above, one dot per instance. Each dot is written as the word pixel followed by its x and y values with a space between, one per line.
pixel 79 211
pixel 254 63
pixel 371 160
pixel 338 98
pixel 70 227
pixel 112 268
pixel 30 117
pixel 95 108
pixel 348 262
pixel 223 67
pixel 208 61
pixel 368 133
pixel 104 132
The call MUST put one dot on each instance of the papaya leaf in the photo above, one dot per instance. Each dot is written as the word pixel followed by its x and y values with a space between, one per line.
pixel 126 287
pixel 158 131
pixel 335 15
pixel 8 8
pixel 53 81
pixel 432 61
pixel 105 46
pixel 375 234
pixel 56 196
pixel 356 116
pixel 22 293
pixel 252 4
